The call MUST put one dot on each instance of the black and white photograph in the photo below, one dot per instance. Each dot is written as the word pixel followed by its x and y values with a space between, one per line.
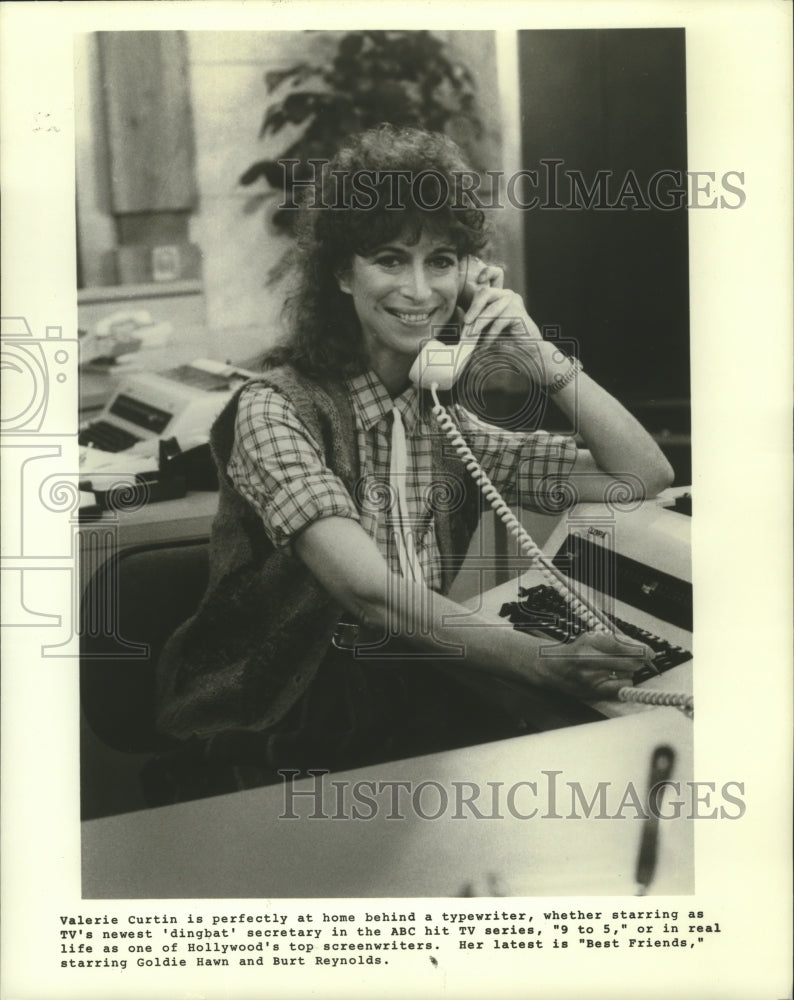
pixel 386 402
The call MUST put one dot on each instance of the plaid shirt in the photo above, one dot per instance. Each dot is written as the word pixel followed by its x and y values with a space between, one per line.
pixel 280 469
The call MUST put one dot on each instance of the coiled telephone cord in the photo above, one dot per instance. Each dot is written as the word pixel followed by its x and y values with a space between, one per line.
pixel 593 618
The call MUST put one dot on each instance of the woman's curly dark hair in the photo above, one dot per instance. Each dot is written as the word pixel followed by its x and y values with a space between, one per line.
pixel 366 198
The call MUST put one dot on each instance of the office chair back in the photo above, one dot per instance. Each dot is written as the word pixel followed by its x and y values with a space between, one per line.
pixel 130 607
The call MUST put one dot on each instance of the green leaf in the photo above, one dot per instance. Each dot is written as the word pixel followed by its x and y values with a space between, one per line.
pixel 297 75
pixel 351 45
pixel 298 107
pixel 271 170
pixel 274 120
pixel 284 219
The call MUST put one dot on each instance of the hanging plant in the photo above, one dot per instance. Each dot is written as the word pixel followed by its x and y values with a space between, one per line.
pixel 404 78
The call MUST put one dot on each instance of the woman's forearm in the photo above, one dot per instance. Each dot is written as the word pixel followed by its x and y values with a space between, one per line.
pixel 349 566
pixel 594 666
pixel 347 563
pixel 619 444
pixel 430 622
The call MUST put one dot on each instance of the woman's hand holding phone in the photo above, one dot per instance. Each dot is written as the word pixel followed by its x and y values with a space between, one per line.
pixel 491 310
pixel 476 274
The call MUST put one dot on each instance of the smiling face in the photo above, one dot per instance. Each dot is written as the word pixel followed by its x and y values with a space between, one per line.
pixel 400 293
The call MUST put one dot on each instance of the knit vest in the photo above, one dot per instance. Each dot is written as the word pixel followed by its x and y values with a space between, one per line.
pixel 265 623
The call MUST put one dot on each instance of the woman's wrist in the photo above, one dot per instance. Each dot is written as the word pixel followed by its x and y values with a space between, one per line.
pixel 559 369
pixel 568 373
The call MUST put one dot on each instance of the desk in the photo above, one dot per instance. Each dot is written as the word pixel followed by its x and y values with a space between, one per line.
pixel 236 846
pixel 171 521
pixel 113 775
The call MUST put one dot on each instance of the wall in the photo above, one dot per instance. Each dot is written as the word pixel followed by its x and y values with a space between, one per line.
pixel 611 101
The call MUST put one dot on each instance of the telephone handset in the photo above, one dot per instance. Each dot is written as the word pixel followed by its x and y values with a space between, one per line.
pixel 437 367
pixel 441 364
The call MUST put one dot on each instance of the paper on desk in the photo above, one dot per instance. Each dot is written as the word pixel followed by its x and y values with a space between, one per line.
pixel 123 463
pixel 141 457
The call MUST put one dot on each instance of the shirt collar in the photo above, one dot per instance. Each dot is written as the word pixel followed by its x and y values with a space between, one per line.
pixel 372 402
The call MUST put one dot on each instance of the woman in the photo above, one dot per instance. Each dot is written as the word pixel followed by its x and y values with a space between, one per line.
pixel 318 526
